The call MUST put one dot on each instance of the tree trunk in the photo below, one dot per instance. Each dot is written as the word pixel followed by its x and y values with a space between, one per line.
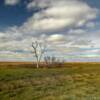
pixel 37 65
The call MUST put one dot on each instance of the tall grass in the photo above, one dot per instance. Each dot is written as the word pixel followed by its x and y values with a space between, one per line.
pixel 73 82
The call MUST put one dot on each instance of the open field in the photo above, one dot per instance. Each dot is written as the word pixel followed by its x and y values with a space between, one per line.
pixel 74 81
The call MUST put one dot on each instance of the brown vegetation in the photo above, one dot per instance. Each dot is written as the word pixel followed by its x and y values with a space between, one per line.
pixel 47 64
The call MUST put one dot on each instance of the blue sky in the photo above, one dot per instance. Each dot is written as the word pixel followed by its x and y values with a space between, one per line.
pixel 69 27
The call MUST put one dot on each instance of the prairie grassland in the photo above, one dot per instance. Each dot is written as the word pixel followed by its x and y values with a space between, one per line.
pixel 74 81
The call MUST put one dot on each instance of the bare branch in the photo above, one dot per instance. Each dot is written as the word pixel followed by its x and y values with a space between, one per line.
pixel 39 50
pixel 34 44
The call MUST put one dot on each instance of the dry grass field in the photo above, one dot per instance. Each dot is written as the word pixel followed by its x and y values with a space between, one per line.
pixel 73 81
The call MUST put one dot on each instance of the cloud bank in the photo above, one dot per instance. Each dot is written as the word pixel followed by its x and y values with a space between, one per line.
pixel 63 24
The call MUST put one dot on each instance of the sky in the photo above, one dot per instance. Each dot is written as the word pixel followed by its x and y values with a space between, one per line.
pixel 69 29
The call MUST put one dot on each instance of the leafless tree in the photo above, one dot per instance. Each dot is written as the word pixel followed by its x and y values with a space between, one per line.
pixel 39 49
pixel 52 61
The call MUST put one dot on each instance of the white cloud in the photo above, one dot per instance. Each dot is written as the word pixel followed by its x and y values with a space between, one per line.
pixel 11 2
pixel 91 25
pixel 59 14
pixel 77 31
pixel 1 35
pixel 56 38
pixel 82 43
pixel 31 5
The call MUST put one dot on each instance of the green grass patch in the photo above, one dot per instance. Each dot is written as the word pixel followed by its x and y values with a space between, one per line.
pixel 70 83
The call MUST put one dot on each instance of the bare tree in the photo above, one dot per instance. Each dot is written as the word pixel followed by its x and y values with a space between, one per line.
pixel 52 61
pixel 38 51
